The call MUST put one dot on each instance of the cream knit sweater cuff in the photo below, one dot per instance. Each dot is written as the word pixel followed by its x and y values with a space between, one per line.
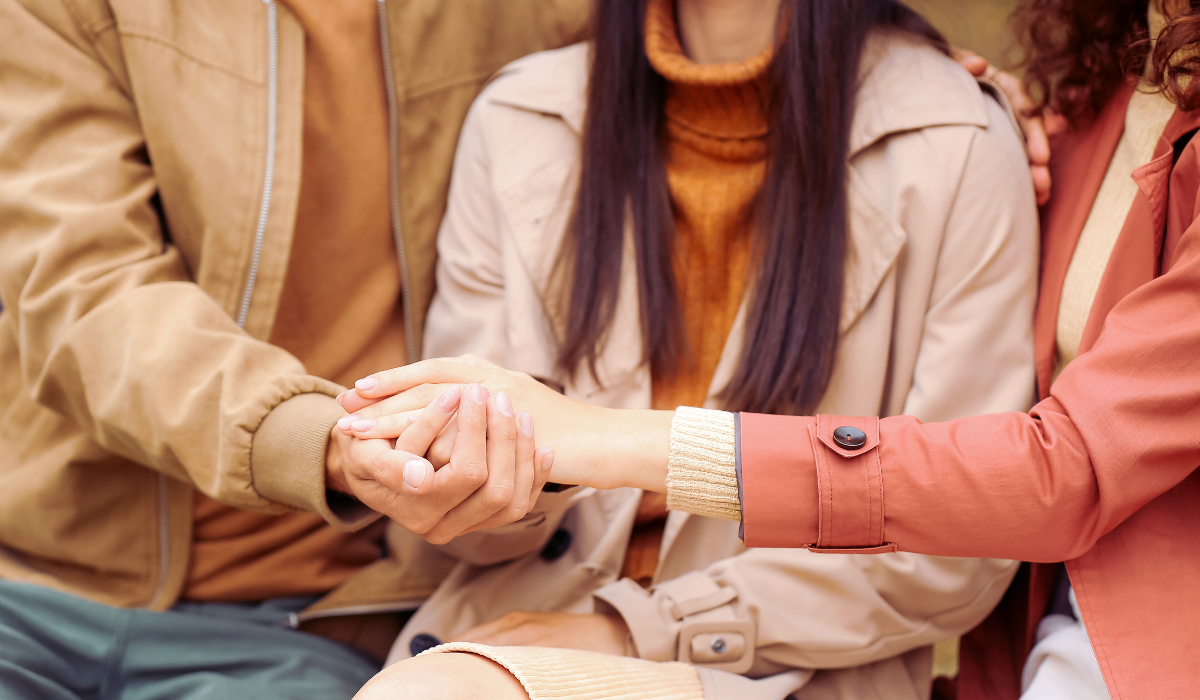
pixel 702 466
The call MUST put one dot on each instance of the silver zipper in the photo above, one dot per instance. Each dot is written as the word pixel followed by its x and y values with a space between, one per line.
pixel 389 80
pixel 294 620
pixel 264 208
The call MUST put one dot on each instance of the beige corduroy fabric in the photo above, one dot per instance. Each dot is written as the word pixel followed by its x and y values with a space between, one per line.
pixel 582 675
pixel 702 466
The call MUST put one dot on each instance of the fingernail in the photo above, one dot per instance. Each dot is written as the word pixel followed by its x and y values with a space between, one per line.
pixel 414 473
pixel 339 398
pixel 526 422
pixel 366 383
pixel 449 400
pixel 548 461
pixel 412 419
pixel 477 394
pixel 362 426
pixel 504 404
pixel 344 423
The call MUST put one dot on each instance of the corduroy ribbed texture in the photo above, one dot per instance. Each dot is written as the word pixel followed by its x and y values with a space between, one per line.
pixel 548 674
pixel 702 466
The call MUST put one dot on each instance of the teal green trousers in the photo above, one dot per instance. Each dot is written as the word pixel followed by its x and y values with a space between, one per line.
pixel 54 646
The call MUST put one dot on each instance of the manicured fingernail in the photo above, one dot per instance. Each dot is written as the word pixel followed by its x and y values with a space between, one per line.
pixel 477 394
pixel 526 421
pixel 362 426
pixel 339 398
pixel 414 473
pixel 366 383
pixel 412 419
pixel 548 461
pixel 344 423
pixel 504 404
pixel 447 402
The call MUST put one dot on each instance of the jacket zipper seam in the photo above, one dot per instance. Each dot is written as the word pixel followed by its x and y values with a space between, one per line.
pixel 264 209
pixel 389 80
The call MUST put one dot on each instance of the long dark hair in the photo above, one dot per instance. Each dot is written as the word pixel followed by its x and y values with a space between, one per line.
pixel 1077 53
pixel 800 220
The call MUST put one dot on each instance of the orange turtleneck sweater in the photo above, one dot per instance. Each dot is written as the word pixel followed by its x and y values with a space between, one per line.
pixel 716 160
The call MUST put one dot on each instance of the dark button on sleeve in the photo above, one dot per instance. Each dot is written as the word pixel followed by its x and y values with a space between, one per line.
pixel 850 438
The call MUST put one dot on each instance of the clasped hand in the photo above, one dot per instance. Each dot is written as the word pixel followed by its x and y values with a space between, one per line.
pixel 466 461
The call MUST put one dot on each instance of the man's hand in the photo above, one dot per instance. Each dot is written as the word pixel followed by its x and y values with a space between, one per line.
pixel 492 476
pixel 1032 123
pixel 607 634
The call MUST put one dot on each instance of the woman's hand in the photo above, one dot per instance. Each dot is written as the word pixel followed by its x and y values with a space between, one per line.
pixel 607 634
pixel 1033 124
pixel 593 446
pixel 492 477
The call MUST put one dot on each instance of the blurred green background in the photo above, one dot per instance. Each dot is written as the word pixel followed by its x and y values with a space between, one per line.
pixel 979 25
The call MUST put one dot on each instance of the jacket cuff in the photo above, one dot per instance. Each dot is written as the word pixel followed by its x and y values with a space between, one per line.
pixel 779 481
pixel 690 619
pixel 287 461
pixel 801 488
pixel 702 465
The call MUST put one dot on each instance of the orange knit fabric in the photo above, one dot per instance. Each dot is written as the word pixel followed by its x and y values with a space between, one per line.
pixel 716 160
pixel 339 312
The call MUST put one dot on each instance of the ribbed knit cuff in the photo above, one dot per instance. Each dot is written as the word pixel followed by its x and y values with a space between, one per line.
pixel 287 461
pixel 570 673
pixel 702 466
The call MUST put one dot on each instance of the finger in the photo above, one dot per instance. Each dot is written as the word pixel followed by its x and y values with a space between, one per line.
pixel 1037 143
pixel 389 427
pixel 439 371
pixel 467 472
pixel 389 482
pixel 543 457
pixel 527 485
pixel 417 438
pixel 414 399
pixel 443 446
pixel 499 462
pixel 1041 182
pixel 372 423
pixel 974 63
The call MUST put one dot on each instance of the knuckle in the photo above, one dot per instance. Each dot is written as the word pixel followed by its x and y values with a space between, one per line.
pixel 498 495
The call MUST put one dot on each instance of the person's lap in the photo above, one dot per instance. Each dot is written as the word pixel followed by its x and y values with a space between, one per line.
pixel 54 646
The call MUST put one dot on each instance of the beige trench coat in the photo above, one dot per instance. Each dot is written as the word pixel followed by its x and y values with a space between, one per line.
pixel 936 323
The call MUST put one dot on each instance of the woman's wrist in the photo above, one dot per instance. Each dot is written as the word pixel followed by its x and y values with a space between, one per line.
pixel 636 447
pixel 610 448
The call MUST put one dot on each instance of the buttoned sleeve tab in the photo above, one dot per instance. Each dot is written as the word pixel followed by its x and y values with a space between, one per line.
pixel 849 486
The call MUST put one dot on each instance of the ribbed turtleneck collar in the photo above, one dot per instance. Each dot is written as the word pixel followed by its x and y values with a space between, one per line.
pixel 717 109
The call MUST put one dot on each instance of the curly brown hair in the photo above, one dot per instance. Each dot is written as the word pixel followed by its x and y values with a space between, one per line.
pixel 1077 53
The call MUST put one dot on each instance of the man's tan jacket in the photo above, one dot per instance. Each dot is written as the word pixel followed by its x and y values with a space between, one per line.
pixel 936 322
pixel 150 160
